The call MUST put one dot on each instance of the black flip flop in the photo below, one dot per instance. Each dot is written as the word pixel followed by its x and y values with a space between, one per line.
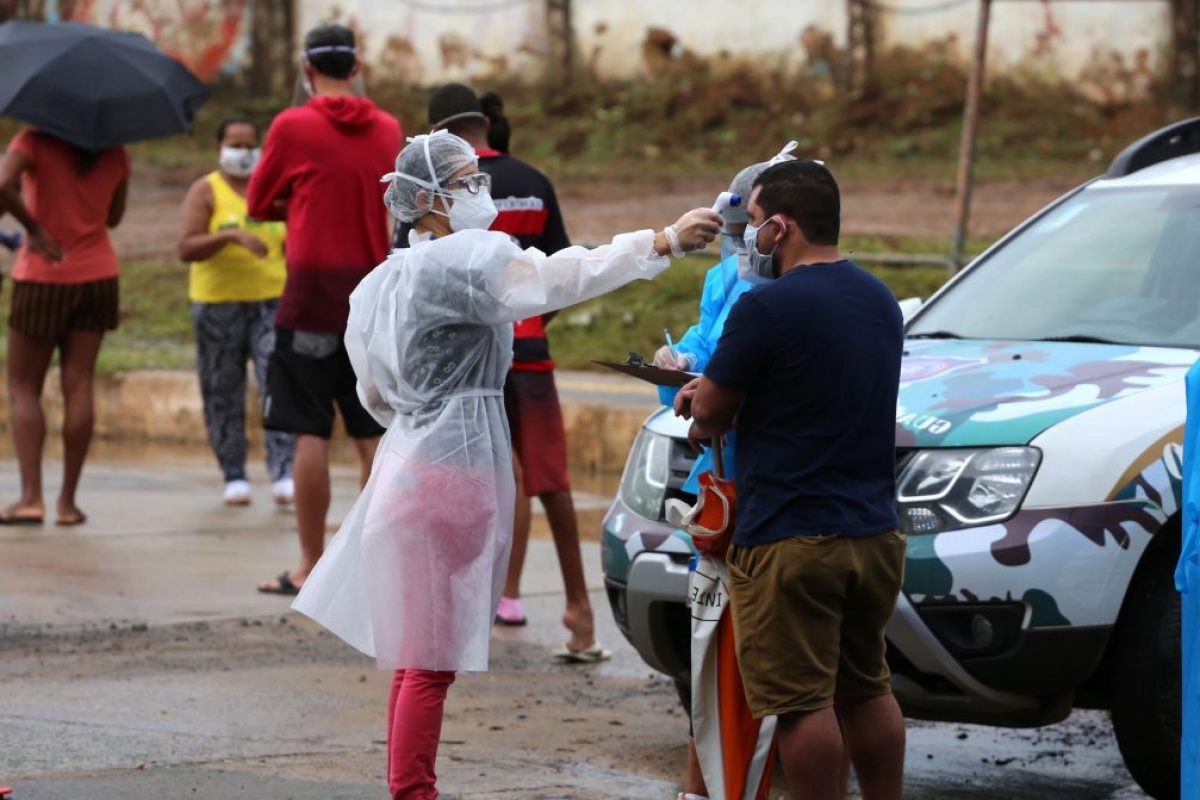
pixel 17 519
pixel 285 585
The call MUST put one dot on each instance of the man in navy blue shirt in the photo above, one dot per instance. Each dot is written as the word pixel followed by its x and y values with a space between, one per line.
pixel 808 369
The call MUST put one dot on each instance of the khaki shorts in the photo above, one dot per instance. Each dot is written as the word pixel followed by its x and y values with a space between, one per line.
pixel 808 619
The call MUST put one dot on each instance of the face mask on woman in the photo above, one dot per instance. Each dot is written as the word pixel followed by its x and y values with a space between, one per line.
pixel 239 161
pixel 471 211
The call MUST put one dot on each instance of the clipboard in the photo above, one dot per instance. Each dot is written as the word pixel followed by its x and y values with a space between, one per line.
pixel 654 375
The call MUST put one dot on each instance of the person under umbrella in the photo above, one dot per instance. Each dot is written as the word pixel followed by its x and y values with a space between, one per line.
pixel 64 298
pixel 84 92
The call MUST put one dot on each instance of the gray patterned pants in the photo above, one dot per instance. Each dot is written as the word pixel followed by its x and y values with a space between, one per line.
pixel 227 335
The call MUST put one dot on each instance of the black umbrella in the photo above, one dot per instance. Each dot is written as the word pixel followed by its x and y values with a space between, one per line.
pixel 93 87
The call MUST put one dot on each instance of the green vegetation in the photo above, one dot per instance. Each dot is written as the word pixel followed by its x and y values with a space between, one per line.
pixel 156 327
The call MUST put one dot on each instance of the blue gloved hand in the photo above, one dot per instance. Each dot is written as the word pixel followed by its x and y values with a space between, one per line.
pixel 11 240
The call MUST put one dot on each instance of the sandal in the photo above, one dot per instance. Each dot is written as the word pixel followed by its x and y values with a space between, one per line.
pixel 14 516
pixel 509 612
pixel 66 522
pixel 285 585
pixel 591 655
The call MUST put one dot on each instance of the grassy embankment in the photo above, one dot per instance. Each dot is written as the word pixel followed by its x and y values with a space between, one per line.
pixel 156 331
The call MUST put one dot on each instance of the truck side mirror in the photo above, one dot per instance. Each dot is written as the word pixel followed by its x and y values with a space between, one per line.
pixel 910 306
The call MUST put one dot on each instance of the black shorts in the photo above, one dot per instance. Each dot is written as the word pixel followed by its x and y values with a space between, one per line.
pixel 307 375
pixel 50 311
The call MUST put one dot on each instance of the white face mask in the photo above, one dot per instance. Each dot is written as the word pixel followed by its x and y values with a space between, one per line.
pixel 757 267
pixel 239 161
pixel 471 211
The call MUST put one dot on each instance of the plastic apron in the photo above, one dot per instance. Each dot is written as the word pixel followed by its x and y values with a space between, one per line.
pixel 414 574
pixel 1187 580
pixel 736 751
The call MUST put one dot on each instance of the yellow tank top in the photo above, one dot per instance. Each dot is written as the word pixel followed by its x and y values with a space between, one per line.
pixel 234 274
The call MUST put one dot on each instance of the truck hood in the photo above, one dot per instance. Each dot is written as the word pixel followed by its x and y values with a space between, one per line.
pixel 984 392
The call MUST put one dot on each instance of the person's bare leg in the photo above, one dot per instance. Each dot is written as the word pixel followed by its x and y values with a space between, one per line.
pixel 28 363
pixel 874 730
pixel 522 522
pixel 693 778
pixel 310 473
pixel 810 751
pixel 564 527
pixel 78 373
pixel 366 457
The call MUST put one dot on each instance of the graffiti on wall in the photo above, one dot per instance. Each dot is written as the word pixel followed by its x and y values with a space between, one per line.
pixel 209 37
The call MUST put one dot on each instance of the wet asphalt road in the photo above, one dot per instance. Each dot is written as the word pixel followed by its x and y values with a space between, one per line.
pixel 135 662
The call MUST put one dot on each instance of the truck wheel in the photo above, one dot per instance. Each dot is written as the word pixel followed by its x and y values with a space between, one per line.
pixel 1147 686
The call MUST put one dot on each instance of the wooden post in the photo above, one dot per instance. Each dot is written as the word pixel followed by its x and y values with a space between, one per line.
pixel 560 35
pixel 966 154
pixel 1185 54
pixel 858 73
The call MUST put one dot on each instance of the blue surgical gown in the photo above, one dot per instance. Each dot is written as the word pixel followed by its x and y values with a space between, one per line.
pixel 1187 580
pixel 722 288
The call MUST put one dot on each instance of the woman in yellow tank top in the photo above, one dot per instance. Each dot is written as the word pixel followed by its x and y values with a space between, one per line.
pixel 236 278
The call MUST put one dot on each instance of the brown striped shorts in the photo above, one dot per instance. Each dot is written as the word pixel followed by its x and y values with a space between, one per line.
pixel 49 311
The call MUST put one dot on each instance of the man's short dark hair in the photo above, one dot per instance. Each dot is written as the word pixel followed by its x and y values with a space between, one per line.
pixel 456 108
pixel 805 191
pixel 331 50
pixel 234 119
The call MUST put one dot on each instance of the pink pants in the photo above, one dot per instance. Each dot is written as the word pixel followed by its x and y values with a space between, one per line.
pixel 414 728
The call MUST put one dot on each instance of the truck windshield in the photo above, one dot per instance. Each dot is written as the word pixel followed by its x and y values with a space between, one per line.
pixel 1108 265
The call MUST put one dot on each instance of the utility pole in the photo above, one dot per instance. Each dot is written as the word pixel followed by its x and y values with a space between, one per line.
pixel 858 75
pixel 1185 54
pixel 561 37
pixel 970 132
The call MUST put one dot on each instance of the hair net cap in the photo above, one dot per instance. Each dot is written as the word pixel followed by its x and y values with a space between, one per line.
pixel 743 183
pixel 425 163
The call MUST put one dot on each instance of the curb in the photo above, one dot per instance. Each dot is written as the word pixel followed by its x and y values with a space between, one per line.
pixel 602 414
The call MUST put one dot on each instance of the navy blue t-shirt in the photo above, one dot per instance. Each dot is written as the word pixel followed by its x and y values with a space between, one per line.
pixel 817 354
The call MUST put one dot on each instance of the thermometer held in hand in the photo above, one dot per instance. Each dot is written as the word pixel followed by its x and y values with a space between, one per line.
pixel 726 200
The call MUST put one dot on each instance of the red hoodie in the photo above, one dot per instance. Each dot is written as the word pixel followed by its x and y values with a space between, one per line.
pixel 324 159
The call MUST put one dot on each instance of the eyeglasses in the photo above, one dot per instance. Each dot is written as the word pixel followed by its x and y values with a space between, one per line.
pixel 472 183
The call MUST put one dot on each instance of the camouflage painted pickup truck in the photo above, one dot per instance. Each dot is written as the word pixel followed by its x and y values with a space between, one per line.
pixel 1038 435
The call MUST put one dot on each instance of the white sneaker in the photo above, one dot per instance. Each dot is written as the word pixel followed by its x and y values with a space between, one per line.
pixel 237 493
pixel 283 490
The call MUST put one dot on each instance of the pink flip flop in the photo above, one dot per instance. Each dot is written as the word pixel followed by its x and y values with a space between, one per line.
pixel 509 612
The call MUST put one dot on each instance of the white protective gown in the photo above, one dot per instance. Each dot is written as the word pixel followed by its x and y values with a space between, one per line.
pixel 414 575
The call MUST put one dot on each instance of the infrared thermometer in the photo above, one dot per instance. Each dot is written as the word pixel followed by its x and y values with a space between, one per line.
pixel 726 201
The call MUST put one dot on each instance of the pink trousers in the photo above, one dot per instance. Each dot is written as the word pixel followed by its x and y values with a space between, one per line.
pixel 414 728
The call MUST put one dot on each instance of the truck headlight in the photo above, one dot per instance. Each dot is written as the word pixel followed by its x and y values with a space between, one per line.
pixel 941 490
pixel 644 485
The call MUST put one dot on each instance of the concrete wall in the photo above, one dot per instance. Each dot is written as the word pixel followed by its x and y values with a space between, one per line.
pixel 436 40
pixel 431 41
pixel 408 41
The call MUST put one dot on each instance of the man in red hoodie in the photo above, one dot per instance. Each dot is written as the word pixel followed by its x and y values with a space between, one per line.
pixel 320 170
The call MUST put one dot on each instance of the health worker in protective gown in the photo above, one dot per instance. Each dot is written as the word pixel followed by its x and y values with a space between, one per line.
pixel 415 573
